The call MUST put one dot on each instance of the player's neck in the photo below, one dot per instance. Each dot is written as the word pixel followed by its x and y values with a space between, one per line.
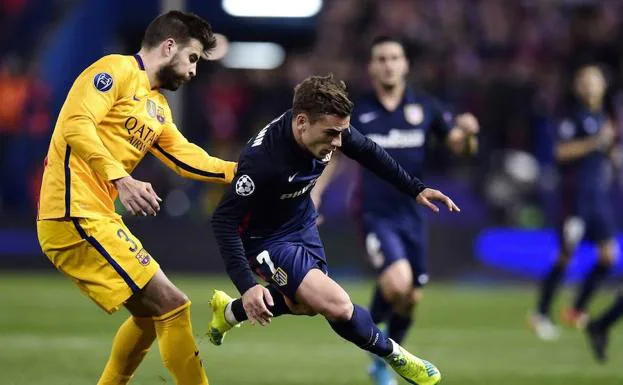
pixel 390 98
pixel 595 106
pixel 592 106
pixel 150 62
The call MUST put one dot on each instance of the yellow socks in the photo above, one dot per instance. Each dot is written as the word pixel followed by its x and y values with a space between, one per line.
pixel 131 344
pixel 178 350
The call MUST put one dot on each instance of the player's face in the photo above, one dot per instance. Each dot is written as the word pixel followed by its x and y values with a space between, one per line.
pixel 388 65
pixel 323 136
pixel 182 65
pixel 590 85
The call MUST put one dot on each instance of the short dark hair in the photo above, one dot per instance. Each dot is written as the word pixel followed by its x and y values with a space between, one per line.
pixel 181 27
pixel 382 39
pixel 321 95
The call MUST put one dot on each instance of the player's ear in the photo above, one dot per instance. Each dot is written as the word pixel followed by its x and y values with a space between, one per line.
pixel 169 47
pixel 301 121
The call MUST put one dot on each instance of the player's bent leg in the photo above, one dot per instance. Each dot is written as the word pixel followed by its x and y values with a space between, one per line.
pixel 395 285
pixel 170 311
pixel 401 318
pixel 598 330
pixel 380 308
pixel 540 321
pixel 354 324
pixel 104 259
pixel 396 282
pixel 131 344
pixel 577 316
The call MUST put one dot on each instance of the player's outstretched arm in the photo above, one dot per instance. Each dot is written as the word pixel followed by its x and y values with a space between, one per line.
pixel 373 157
pixel 189 160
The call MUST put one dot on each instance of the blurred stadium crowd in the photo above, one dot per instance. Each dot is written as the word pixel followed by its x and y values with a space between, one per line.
pixel 508 62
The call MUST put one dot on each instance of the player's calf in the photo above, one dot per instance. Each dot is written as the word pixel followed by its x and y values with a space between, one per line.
pixel 169 308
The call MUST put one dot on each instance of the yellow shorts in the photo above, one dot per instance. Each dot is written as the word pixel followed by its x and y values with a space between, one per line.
pixel 101 256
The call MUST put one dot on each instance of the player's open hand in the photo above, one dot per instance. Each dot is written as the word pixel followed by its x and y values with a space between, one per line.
pixel 428 195
pixel 254 302
pixel 137 197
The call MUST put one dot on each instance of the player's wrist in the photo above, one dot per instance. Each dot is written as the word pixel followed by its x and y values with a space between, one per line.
pixel 245 285
pixel 120 181
pixel 418 187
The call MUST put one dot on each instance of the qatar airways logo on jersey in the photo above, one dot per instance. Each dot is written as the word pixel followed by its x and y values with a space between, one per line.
pixel 141 136
pixel 399 138
pixel 300 192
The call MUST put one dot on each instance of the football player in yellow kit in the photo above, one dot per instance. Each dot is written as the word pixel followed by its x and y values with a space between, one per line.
pixel 113 114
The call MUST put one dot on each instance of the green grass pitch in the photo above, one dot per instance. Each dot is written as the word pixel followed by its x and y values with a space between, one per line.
pixel 50 334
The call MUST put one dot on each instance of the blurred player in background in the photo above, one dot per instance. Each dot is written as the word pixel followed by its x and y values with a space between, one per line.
pixel 598 330
pixel 401 119
pixel 113 114
pixel 266 222
pixel 585 152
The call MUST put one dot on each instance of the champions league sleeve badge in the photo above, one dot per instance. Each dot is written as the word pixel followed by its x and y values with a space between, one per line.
pixel 103 82
pixel 245 186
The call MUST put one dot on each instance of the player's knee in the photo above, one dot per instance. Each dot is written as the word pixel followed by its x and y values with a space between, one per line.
pixel 175 299
pixel 340 312
pixel 564 257
pixel 170 299
pixel 338 309
pixel 398 294
pixel 608 253
pixel 607 259
pixel 417 295
pixel 300 309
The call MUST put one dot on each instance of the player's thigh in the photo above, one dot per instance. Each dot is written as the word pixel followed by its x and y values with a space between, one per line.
pixel 285 264
pixel 571 229
pixel 102 256
pixel 601 230
pixel 415 244
pixel 325 296
pixel 383 244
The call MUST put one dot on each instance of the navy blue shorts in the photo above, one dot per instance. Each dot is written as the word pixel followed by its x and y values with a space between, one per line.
pixel 388 240
pixel 284 262
pixel 591 222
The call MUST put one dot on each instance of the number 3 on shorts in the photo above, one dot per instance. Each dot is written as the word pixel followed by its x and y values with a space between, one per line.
pixel 123 235
pixel 263 257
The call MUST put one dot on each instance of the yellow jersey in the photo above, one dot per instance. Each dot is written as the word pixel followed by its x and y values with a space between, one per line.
pixel 109 121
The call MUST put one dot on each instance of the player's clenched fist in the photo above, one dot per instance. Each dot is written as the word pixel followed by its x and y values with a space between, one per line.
pixel 427 195
pixel 137 197
pixel 254 302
